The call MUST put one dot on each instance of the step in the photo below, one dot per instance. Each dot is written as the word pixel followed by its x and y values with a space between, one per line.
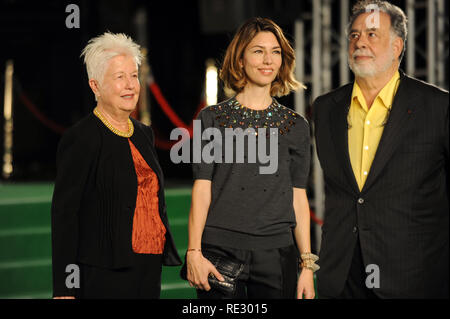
pixel 172 286
pixel 179 230
pixel 47 294
pixel 25 191
pixel 25 243
pixel 180 290
pixel 21 214
pixel 17 277
pixel 178 202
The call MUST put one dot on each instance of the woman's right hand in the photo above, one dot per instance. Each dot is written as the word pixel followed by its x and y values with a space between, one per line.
pixel 198 270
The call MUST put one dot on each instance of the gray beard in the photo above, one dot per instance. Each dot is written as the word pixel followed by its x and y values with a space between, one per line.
pixel 365 72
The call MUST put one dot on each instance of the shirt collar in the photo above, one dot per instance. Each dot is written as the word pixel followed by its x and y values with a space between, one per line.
pixel 386 95
pixel 388 92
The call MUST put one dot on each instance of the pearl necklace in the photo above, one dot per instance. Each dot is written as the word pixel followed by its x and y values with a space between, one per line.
pixel 113 129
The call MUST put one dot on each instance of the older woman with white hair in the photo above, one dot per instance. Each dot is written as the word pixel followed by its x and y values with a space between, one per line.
pixel 110 231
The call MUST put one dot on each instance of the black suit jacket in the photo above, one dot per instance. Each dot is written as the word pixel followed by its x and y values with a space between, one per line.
pixel 95 197
pixel 401 214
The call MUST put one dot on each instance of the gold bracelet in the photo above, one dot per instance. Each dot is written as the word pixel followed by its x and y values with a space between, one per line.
pixel 193 249
pixel 309 264
pixel 313 268
pixel 309 256
pixel 308 261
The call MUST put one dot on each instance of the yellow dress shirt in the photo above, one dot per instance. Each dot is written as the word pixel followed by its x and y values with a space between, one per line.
pixel 366 127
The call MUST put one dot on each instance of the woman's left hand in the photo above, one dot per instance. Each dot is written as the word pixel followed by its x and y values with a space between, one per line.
pixel 305 285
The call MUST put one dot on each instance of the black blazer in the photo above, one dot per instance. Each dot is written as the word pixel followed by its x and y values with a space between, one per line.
pixel 95 197
pixel 401 214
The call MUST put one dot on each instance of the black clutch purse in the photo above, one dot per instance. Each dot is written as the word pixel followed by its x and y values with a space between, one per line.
pixel 228 268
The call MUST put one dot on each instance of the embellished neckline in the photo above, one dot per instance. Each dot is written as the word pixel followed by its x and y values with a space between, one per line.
pixel 232 114
pixel 257 115
pixel 112 128
pixel 238 105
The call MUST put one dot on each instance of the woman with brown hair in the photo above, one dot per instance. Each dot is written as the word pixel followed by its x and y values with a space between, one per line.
pixel 247 228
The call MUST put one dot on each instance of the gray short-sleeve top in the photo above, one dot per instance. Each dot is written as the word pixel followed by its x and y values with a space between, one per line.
pixel 252 187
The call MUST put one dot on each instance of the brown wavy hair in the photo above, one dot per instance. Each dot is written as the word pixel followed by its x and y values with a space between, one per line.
pixel 233 75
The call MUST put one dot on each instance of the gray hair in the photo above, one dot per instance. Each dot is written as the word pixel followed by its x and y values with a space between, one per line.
pixel 399 20
pixel 100 49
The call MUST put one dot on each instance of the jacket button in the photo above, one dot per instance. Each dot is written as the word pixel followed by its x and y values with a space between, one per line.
pixel 361 201
pixel 355 229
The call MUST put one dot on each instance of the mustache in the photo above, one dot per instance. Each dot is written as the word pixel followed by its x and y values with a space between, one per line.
pixel 359 52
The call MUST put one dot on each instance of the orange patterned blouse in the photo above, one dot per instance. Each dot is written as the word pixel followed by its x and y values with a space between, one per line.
pixel 148 230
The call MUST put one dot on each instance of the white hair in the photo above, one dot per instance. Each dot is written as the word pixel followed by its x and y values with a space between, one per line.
pixel 100 49
pixel 399 21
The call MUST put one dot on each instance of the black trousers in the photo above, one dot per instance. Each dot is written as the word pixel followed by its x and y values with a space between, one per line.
pixel 140 281
pixel 267 274
pixel 355 286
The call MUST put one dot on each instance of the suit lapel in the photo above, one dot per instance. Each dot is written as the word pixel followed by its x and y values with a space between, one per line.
pixel 339 129
pixel 402 109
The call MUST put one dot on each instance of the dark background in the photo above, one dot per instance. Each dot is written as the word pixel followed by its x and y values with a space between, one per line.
pixel 181 36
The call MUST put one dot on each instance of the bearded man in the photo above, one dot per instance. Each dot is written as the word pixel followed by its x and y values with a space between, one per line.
pixel 383 145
